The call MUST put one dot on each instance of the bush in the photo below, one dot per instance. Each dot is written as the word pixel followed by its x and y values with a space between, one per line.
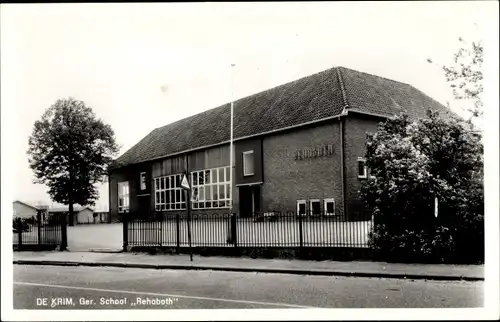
pixel 413 163
pixel 24 223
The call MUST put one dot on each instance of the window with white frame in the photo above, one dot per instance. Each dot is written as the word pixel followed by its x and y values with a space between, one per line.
pixel 329 206
pixel 143 180
pixel 123 196
pixel 211 188
pixel 248 163
pixel 315 206
pixel 362 168
pixel 168 193
pixel 301 207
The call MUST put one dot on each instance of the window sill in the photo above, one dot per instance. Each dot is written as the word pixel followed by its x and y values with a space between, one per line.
pixel 248 174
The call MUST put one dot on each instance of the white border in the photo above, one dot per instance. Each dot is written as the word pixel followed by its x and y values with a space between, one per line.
pixel 490 311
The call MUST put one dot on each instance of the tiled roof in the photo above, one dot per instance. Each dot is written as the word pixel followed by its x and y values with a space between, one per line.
pixel 312 98
pixel 373 94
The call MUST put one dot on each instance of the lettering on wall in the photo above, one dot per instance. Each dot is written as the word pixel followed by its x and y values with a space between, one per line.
pixel 317 152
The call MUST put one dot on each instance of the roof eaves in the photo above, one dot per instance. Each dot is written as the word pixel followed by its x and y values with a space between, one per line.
pixel 358 111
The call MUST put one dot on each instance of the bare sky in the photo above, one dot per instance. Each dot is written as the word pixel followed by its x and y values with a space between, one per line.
pixel 141 66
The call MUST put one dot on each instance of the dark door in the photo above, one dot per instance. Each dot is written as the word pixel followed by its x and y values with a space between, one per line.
pixel 256 199
pixel 143 206
pixel 245 201
pixel 249 200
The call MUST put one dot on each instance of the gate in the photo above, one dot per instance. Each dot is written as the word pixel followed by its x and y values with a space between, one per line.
pixel 43 231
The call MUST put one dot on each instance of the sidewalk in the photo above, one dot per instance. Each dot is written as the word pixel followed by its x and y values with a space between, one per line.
pixel 300 267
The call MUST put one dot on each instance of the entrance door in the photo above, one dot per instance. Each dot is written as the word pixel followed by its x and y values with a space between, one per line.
pixel 144 206
pixel 249 200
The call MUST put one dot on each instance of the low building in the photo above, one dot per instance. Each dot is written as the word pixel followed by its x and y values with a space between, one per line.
pixel 297 147
pixel 81 215
pixel 24 210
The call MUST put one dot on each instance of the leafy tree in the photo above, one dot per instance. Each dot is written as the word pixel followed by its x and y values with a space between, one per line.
pixel 465 75
pixel 413 162
pixel 70 151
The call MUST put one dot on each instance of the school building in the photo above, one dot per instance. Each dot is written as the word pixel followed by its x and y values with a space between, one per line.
pixel 297 147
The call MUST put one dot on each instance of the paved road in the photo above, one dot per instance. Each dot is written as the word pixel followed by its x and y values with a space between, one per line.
pixel 87 287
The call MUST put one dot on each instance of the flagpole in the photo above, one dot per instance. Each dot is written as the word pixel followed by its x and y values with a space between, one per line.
pixel 231 143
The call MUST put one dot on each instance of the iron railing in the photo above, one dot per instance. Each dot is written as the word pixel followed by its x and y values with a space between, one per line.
pixel 42 229
pixel 273 229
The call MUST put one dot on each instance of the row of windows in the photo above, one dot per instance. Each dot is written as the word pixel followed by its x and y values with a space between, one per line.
pixel 210 188
pixel 315 207
pixel 168 193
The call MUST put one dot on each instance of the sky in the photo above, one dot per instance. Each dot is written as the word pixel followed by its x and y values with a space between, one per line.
pixel 141 66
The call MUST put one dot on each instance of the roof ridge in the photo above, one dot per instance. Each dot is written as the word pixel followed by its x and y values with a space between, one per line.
pixel 391 80
pixel 342 89
pixel 327 93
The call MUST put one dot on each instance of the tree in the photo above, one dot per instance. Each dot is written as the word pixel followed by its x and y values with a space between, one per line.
pixel 70 151
pixel 413 162
pixel 465 75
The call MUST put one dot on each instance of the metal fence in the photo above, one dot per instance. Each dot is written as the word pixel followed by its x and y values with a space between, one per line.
pixel 274 229
pixel 42 229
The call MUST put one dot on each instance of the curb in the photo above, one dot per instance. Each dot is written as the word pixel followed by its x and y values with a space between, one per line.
pixel 256 270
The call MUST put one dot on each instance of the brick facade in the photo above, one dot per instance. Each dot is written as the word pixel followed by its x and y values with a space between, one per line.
pixel 287 180
pixel 316 172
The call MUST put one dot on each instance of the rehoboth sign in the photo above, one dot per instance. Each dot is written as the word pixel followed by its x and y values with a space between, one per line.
pixel 308 153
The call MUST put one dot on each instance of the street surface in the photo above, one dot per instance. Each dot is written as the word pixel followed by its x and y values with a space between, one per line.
pixel 52 287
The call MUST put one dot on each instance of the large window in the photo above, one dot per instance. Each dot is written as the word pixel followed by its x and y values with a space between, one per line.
pixel 168 193
pixel 123 196
pixel 211 188
pixel 248 163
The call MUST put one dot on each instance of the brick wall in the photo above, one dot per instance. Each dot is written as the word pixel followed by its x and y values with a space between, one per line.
pixel 287 180
pixel 356 127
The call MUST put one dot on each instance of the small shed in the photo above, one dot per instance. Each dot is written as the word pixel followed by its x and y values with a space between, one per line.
pixel 23 209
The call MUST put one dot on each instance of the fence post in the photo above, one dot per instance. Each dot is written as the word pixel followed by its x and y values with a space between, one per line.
pixel 125 220
pixel 39 226
pixel 160 222
pixel 19 232
pixel 301 237
pixel 233 230
pixel 178 232
pixel 64 233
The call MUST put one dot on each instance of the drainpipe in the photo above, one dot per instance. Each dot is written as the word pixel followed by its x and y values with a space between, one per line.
pixel 342 166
